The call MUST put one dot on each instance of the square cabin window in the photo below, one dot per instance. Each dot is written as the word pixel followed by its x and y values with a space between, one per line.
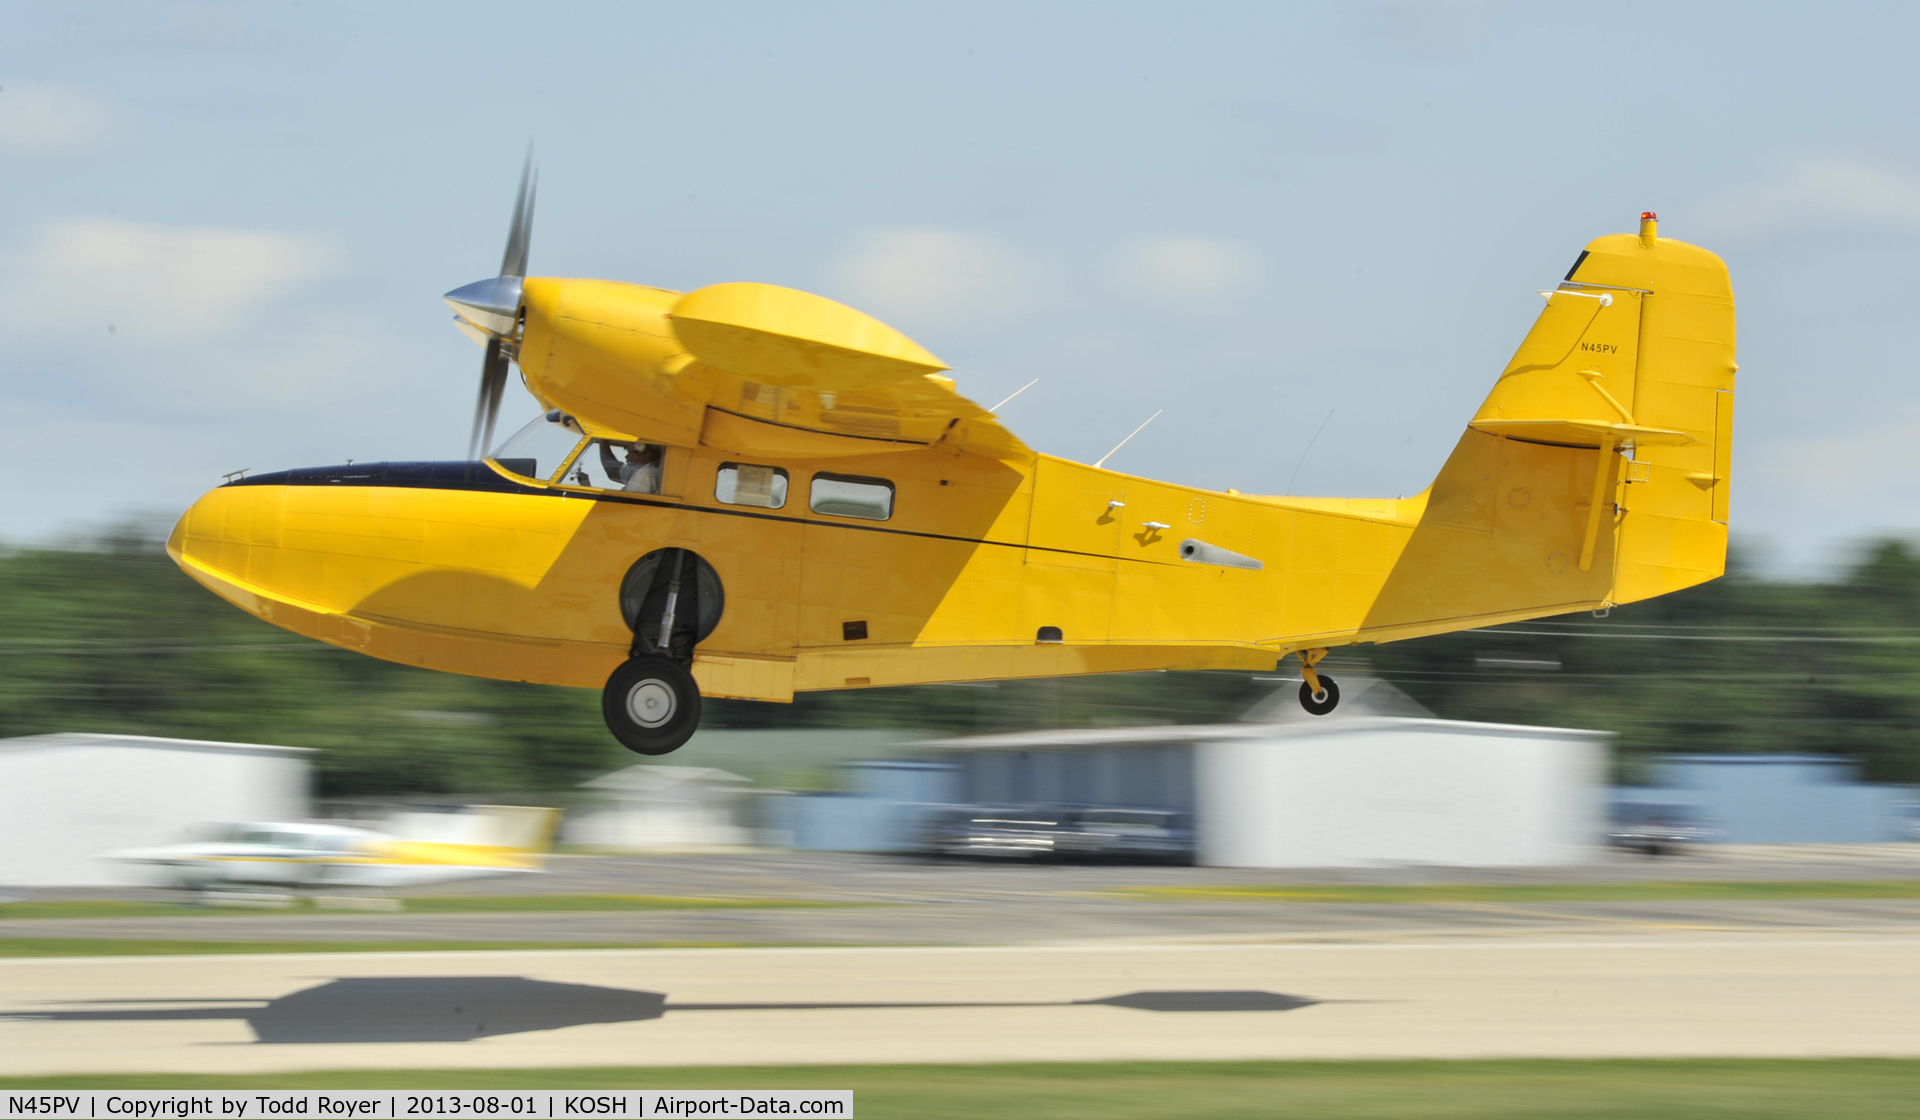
pixel 845 495
pixel 744 484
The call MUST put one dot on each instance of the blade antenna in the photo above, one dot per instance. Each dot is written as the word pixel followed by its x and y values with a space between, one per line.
pixel 1130 435
pixel 1308 451
pixel 1014 394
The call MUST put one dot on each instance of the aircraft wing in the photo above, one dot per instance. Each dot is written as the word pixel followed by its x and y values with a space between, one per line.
pixel 754 369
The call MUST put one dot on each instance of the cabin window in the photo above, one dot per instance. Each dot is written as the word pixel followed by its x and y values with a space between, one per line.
pixel 542 447
pixel 744 484
pixel 616 464
pixel 845 495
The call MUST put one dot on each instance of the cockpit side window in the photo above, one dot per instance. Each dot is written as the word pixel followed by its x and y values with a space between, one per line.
pixel 614 464
pixel 745 484
pixel 542 447
pixel 846 495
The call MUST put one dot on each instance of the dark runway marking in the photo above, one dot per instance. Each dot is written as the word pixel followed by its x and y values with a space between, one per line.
pixel 1205 1001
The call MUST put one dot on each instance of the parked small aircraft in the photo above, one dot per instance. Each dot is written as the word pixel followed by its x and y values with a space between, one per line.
pixel 412 849
pixel 748 491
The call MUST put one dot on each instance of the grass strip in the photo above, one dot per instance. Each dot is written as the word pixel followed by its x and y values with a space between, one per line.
pixel 146 947
pixel 476 904
pixel 1362 1090
pixel 1535 892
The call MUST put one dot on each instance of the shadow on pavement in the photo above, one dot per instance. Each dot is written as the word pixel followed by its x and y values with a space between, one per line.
pixel 463 1008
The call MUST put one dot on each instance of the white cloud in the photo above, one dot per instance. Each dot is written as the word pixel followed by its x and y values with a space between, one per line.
pixel 932 277
pixel 43 119
pixel 178 282
pixel 1191 270
pixel 1820 192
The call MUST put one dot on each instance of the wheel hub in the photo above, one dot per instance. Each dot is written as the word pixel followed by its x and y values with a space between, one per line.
pixel 650 703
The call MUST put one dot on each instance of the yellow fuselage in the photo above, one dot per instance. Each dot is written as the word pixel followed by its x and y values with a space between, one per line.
pixel 989 544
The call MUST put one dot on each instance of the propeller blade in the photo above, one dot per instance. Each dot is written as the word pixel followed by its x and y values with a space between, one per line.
pixel 486 410
pixel 493 304
pixel 492 308
pixel 520 230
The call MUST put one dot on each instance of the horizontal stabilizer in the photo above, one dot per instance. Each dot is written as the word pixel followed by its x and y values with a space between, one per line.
pixel 1582 433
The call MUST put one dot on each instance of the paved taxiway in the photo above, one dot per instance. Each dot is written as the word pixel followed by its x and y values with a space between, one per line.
pixel 877 900
pixel 1019 920
pixel 1656 995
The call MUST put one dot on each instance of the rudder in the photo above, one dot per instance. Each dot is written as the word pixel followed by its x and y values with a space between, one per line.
pixel 1634 355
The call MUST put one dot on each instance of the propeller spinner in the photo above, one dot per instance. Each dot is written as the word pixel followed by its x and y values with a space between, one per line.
pixel 489 312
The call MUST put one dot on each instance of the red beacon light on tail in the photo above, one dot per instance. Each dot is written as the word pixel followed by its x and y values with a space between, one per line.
pixel 1649 228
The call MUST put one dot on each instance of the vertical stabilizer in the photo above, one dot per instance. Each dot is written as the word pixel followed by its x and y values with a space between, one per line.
pixel 1597 470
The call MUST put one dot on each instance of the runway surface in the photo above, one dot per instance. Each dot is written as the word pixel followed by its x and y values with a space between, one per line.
pixel 881 900
pixel 1679 994
pixel 851 877
pixel 918 962
pixel 1016 920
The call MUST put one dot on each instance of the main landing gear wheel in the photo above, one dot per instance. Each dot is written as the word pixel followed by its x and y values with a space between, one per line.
pixel 1322 702
pixel 651 705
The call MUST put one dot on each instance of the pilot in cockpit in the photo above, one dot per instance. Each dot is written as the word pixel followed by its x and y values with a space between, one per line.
pixel 639 473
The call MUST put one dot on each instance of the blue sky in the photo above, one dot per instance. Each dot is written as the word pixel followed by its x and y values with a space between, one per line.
pixel 1247 215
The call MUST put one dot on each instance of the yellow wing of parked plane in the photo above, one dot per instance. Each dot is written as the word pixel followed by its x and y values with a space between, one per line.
pixel 750 491
pixel 410 850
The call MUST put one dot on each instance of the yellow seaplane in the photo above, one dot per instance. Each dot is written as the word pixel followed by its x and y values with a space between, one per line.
pixel 750 491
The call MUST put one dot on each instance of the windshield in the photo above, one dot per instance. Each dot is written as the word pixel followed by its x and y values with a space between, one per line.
pixel 611 464
pixel 541 448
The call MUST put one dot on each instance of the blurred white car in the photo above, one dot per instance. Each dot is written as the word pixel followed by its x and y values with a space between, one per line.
pixel 1062 832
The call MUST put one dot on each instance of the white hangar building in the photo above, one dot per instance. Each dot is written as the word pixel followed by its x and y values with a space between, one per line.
pixel 67 799
pixel 1378 782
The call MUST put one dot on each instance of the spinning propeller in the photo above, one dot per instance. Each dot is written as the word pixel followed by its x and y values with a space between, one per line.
pixel 489 312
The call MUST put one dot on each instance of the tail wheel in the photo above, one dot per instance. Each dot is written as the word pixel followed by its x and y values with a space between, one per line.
pixel 1322 702
pixel 651 705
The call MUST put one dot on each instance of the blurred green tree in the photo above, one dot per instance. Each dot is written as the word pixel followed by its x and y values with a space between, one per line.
pixel 110 636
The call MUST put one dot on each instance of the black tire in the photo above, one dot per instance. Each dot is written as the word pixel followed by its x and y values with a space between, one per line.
pixel 1327 701
pixel 651 705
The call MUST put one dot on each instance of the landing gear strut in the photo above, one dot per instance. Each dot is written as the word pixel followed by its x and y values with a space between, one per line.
pixel 672 599
pixel 1318 694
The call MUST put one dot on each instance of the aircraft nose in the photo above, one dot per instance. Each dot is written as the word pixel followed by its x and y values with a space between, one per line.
pixel 227 539
pixel 176 540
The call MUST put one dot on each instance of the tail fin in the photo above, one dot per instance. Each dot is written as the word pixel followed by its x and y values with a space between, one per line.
pixel 1671 518
pixel 518 828
pixel 1597 470
pixel 513 837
